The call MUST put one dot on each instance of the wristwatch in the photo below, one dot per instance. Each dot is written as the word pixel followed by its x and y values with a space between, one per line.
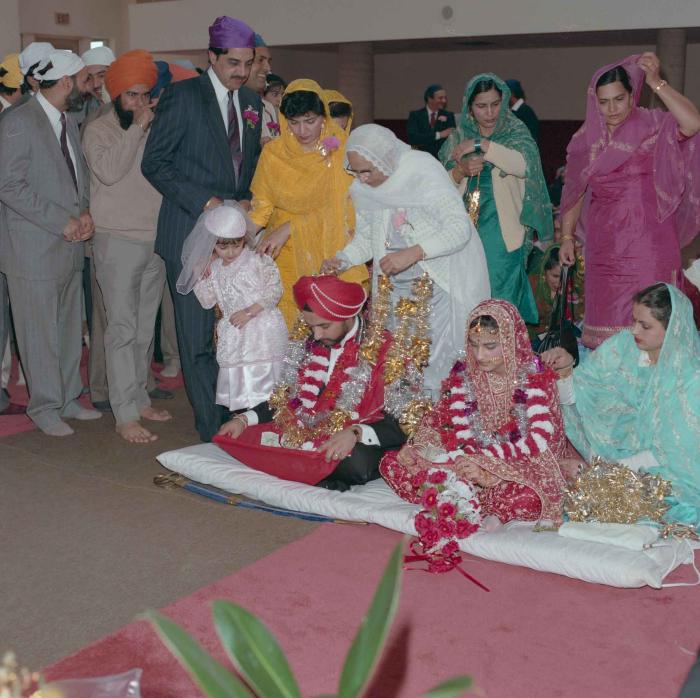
pixel 357 430
pixel 477 146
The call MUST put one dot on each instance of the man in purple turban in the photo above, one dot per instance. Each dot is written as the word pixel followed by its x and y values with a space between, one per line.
pixel 203 148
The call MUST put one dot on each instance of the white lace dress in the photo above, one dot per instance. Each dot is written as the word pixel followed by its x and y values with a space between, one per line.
pixel 250 358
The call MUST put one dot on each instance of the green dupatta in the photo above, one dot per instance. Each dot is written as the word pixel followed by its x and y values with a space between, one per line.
pixel 511 133
pixel 623 408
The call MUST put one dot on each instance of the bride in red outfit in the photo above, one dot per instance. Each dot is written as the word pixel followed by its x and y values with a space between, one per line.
pixel 497 425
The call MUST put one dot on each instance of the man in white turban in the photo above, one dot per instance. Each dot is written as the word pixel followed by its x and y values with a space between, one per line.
pixel 29 60
pixel 97 61
pixel 44 189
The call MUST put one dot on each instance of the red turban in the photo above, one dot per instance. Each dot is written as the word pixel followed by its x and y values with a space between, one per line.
pixel 131 68
pixel 329 297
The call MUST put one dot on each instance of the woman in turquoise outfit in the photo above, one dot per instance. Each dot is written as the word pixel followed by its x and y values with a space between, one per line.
pixel 636 398
pixel 492 152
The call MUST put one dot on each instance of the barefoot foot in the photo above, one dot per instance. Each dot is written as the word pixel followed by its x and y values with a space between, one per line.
pixel 155 415
pixel 135 433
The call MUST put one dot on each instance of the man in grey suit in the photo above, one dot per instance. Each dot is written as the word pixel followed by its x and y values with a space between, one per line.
pixel 203 148
pixel 44 191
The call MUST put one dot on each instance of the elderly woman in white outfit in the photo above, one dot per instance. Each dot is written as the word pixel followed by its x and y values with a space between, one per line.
pixel 409 220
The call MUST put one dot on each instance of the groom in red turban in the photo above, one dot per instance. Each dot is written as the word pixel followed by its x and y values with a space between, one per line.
pixel 330 379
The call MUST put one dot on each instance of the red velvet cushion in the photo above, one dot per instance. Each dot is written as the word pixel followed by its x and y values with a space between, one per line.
pixel 309 467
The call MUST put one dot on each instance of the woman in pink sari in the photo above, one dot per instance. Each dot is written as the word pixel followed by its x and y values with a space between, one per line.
pixel 497 426
pixel 632 192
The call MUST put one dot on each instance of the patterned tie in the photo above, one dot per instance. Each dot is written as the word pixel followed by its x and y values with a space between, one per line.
pixel 234 141
pixel 433 119
pixel 66 152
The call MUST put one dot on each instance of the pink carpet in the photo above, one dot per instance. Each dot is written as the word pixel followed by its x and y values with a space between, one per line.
pixel 15 424
pixel 534 635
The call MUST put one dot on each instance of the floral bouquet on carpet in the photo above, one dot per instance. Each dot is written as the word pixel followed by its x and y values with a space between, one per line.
pixel 450 513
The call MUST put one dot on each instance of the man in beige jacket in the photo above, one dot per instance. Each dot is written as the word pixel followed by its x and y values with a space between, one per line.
pixel 125 209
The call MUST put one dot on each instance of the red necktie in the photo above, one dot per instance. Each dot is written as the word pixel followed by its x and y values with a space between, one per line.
pixel 234 141
pixel 433 119
pixel 66 152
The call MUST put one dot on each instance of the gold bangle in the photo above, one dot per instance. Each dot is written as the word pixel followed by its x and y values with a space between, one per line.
pixel 660 85
pixel 566 238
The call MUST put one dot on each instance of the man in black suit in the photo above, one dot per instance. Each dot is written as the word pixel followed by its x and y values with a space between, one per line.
pixel 522 109
pixel 429 127
pixel 203 148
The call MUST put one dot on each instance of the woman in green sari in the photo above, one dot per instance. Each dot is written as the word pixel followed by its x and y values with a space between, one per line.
pixel 494 161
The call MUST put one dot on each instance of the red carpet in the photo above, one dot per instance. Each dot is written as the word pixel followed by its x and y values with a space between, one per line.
pixel 16 424
pixel 534 635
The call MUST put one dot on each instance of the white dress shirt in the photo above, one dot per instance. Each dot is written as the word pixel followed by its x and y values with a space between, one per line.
pixel 369 436
pixel 437 116
pixel 519 103
pixel 54 116
pixel 4 103
pixel 222 99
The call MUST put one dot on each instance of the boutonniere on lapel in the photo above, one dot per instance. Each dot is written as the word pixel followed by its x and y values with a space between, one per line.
pixel 442 117
pixel 327 146
pixel 251 116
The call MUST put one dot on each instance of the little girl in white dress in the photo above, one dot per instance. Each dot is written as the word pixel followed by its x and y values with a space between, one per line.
pixel 251 336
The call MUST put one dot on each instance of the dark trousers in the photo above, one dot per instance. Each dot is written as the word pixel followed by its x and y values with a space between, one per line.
pixel 361 466
pixel 195 338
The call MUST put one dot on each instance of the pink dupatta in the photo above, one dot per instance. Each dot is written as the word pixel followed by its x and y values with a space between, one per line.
pixel 593 152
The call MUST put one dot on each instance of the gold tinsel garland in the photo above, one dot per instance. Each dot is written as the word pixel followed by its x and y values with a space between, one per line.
pixel 612 493
pixel 404 361
pixel 408 357
pixel 381 307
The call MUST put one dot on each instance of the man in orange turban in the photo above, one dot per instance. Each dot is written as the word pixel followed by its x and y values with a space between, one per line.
pixel 328 377
pixel 125 208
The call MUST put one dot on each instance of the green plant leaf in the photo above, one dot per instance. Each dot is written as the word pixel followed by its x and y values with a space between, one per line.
pixel 212 678
pixel 255 652
pixel 369 641
pixel 452 688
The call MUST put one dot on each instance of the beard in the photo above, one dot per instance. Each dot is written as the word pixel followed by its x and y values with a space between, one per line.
pixel 125 116
pixel 76 99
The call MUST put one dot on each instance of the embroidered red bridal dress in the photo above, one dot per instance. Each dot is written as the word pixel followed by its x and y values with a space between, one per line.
pixel 509 426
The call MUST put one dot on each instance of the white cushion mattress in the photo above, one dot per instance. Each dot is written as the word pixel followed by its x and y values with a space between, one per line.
pixel 515 544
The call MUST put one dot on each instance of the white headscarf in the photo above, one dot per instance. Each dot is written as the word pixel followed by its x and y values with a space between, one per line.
pixel 228 221
pixel 415 179
pixel 378 145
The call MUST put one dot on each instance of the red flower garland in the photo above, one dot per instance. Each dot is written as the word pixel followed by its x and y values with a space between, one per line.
pixel 513 442
pixel 307 400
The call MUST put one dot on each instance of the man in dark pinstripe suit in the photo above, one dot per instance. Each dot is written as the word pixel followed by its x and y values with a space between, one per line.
pixel 203 148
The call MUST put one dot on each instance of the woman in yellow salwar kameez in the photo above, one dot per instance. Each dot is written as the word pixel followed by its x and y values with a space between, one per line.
pixel 300 192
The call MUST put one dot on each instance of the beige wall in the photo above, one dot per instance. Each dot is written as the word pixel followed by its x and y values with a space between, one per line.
pixel 182 25
pixel 89 19
pixel 9 27
pixel 555 80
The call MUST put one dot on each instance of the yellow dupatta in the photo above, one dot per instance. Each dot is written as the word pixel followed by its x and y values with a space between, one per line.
pixel 308 189
pixel 331 96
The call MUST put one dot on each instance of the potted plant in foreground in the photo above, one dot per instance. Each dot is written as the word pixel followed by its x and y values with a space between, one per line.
pixel 260 662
